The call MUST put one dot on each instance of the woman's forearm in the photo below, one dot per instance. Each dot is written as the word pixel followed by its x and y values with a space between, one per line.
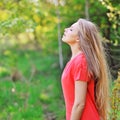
pixel 76 112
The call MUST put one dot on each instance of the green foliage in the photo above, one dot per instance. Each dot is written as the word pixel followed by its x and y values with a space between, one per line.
pixel 115 100
pixel 113 13
pixel 29 79
pixel 40 19
pixel 32 97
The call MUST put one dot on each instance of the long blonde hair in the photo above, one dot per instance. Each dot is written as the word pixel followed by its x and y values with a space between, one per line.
pixel 91 45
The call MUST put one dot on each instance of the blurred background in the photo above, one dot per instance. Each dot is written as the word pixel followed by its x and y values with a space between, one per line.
pixel 32 55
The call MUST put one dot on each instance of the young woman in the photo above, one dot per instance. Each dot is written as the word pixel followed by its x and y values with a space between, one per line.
pixel 85 77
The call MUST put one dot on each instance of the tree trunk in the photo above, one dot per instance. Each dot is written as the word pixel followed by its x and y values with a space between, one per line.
pixel 59 38
pixel 87 9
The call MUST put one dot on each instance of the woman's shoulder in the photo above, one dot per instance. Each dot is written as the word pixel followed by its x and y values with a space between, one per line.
pixel 80 59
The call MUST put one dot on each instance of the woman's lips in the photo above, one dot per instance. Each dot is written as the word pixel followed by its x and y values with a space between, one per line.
pixel 64 34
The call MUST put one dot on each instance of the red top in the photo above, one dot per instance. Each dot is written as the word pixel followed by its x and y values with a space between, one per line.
pixel 76 69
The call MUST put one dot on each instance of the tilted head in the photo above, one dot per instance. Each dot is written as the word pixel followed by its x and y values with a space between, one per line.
pixel 84 32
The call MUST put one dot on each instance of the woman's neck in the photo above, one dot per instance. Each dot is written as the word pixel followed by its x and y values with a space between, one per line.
pixel 75 50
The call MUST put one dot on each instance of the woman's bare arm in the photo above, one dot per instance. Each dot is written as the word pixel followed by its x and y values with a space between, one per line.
pixel 80 98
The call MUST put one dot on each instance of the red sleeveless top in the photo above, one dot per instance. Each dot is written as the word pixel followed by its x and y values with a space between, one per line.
pixel 76 69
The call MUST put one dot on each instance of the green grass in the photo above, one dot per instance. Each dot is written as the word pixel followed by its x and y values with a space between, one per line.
pixel 37 94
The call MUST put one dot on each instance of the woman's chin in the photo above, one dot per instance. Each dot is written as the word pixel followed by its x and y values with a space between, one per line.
pixel 63 39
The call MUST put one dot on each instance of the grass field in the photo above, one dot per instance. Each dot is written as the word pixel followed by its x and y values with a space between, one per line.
pixel 30 87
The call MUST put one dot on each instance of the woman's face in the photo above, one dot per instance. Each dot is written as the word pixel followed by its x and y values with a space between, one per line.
pixel 71 34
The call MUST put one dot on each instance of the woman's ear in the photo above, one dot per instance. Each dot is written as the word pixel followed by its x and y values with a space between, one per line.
pixel 77 39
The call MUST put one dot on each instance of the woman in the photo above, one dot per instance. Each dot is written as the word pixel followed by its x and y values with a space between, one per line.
pixel 85 77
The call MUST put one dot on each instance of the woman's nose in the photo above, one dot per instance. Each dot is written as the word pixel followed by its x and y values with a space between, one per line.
pixel 65 29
